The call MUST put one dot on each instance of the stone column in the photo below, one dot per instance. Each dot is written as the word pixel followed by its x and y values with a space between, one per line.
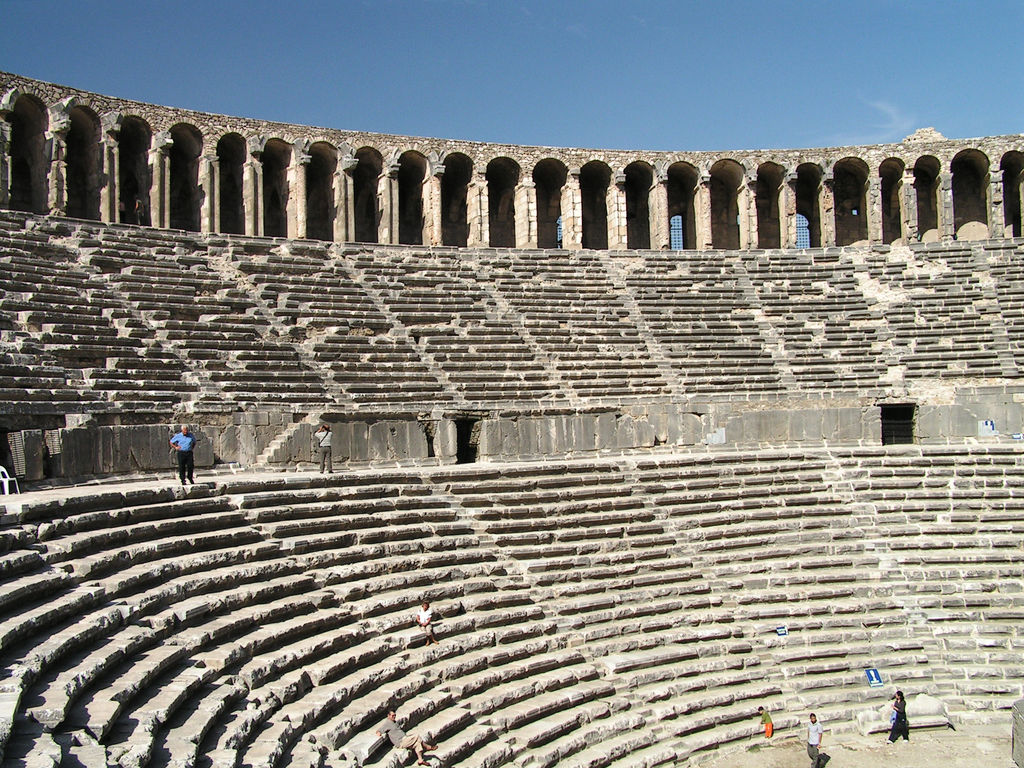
pixel 702 217
pixel 947 223
pixel 297 220
pixel 658 209
pixel 57 141
pixel 996 227
pixel 5 161
pixel 615 201
pixel 388 186
pixel 572 213
pixel 252 190
pixel 478 212
pixel 110 174
pixel 787 211
pixel 344 200
pixel 432 213
pixel 908 206
pixel 526 214
pixel 873 209
pixel 209 214
pixel 160 182
pixel 747 204
pixel 827 209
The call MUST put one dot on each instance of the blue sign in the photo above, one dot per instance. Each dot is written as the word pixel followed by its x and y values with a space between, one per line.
pixel 874 679
pixel 782 631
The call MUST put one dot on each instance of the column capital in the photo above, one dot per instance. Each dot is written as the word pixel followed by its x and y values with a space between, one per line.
pixel 111 123
pixel 162 141
pixel 348 164
pixel 437 170
pixel 619 179
pixel 301 158
pixel 393 170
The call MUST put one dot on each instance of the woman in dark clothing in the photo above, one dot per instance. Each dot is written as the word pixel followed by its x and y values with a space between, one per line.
pixel 900 727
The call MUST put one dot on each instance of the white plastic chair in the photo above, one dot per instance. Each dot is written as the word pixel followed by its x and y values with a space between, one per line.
pixel 6 481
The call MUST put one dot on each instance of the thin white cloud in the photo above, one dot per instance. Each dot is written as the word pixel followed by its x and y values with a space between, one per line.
pixel 885 123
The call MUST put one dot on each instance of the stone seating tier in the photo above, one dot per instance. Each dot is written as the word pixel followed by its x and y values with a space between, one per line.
pixel 210 318
pixel 594 612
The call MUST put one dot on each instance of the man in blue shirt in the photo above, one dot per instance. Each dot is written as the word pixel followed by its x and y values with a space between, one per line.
pixel 183 443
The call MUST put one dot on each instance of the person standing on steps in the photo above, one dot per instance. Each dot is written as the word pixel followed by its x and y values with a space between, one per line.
pixel 323 440
pixel 900 726
pixel 400 739
pixel 814 734
pixel 766 721
pixel 183 443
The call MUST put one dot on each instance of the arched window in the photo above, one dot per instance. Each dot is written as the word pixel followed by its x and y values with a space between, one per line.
pixel 890 173
pixel 133 166
pixel 458 169
pixel 365 179
pixel 849 182
pixel 595 177
pixel 639 179
pixel 549 178
pixel 970 195
pixel 29 163
pixel 676 233
pixel 1012 166
pixel 186 146
pixel 83 164
pixel 502 179
pixel 926 191
pixel 320 192
pixel 808 185
pixel 276 158
pixel 412 170
pixel 726 177
pixel 230 161
pixel 682 184
pixel 803 231
pixel 769 183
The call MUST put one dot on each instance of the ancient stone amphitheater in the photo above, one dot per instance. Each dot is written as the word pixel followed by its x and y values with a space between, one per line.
pixel 663 436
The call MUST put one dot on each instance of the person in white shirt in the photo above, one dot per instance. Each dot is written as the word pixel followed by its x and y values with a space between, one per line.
pixel 323 448
pixel 425 620
pixel 814 733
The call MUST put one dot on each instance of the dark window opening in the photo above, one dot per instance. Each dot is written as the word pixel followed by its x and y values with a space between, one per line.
pixel 898 424
pixel 467 440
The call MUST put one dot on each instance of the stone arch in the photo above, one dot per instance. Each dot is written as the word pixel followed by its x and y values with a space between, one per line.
pixel 186 147
pixel 458 170
pixel 890 174
pixel 412 172
pixel 767 196
pixel 134 178
pixel 849 184
pixel 808 190
pixel 29 162
pixel 84 163
pixel 595 177
pixel 970 195
pixel 549 177
pixel 503 176
pixel 1012 166
pixel 724 185
pixel 365 181
pixel 926 191
pixel 275 158
pixel 320 212
pixel 639 178
pixel 231 156
pixel 681 183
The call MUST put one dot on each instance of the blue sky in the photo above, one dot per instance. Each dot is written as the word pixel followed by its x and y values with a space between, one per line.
pixel 611 74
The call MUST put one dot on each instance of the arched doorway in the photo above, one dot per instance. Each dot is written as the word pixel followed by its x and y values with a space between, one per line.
pixel 412 170
pixel 639 180
pixel 849 184
pixel 726 177
pixel 275 159
pixel 808 188
pixel 890 174
pixel 83 164
pixel 970 195
pixel 594 179
pixel 681 187
pixel 29 163
pixel 230 162
pixel 769 185
pixel 320 213
pixel 365 179
pixel 549 178
pixel 502 180
pixel 458 169
pixel 133 177
pixel 186 146
pixel 926 192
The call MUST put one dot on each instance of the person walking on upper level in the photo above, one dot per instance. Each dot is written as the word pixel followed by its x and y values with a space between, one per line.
pixel 814 735
pixel 400 739
pixel 183 443
pixel 323 448
pixel 900 726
